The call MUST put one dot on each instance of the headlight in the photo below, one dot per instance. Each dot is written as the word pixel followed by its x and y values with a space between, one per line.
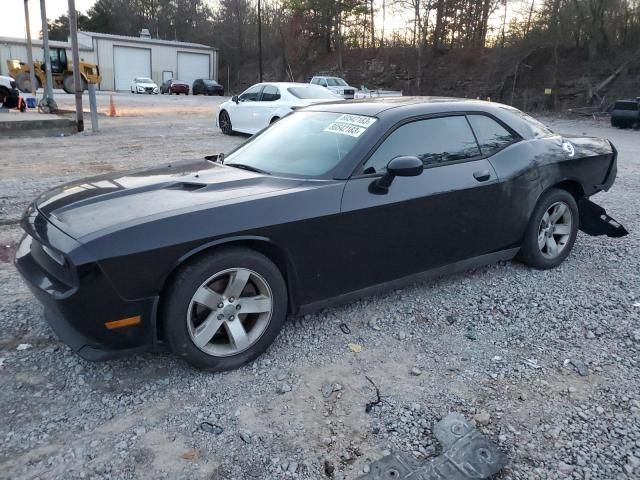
pixel 155 89
pixel 55 256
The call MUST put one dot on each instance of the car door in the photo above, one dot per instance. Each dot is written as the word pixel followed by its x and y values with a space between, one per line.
pixel 241 114
pixel 265 108
pixel 440 217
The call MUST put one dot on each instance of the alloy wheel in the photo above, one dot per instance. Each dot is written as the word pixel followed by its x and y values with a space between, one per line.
pixel 555 229
pixel 229 312
pixel 225 123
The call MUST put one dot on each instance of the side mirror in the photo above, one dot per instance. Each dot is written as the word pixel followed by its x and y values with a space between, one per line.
pixel 404 166
pixel 234 98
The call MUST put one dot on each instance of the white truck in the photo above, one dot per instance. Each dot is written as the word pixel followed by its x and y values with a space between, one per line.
pixel 336 85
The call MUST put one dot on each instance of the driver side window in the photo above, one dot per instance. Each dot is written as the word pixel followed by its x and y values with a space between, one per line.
pixel 251 95
pixel 434 141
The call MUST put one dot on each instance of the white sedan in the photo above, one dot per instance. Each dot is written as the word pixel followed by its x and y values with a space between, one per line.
pixel 264 103
pixel 144 85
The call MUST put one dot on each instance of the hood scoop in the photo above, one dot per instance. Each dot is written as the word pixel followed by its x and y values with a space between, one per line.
pixel 186 186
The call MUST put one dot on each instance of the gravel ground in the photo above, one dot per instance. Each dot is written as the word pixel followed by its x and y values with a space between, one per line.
pixel 545 363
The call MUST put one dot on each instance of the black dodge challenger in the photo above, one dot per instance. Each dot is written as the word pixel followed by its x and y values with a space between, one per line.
pixel 331 203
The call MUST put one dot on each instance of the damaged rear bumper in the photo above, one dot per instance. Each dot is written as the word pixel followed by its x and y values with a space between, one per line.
pixel 595 221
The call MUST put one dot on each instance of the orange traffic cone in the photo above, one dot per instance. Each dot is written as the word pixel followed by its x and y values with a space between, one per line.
pixel 112 107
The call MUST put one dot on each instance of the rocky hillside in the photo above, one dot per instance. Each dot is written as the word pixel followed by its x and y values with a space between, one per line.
pixel 517 76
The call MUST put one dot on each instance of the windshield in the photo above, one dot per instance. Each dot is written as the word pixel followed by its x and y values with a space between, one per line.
pixel 210 83
pixel 302 144
pixel 312 91
pixel 144 80
pixel 336 82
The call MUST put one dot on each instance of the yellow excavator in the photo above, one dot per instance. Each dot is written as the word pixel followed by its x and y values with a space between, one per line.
pixel 61 70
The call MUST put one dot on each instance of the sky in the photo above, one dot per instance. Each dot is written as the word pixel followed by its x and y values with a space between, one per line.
pixel 12 22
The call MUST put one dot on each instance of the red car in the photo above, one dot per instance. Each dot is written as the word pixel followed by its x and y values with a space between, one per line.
pixel 174 86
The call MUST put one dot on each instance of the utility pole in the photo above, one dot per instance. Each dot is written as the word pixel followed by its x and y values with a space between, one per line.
pixel 32 72
pixel 48 91
pixel 259 41
pixel 77 82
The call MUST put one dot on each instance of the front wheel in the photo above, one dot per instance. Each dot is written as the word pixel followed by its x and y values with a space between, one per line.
pixel 225 123
pixel 552 230
pixel 68 84
pixel 225 309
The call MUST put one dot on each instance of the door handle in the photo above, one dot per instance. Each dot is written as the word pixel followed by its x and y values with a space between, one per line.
pixel 482 175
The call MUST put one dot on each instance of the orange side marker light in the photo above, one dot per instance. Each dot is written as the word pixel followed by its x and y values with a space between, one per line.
pixel 123 322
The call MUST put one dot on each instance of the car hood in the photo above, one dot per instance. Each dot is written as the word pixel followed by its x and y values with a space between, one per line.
pixel 113 201
pixel 145 85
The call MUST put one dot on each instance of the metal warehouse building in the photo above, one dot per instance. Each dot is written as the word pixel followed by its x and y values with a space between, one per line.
pixel 121 58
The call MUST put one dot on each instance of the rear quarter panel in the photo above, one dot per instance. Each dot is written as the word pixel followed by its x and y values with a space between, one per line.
pixel 529 168
pixel 588 164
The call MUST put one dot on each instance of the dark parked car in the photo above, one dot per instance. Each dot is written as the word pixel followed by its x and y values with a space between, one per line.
pixel 626 113
pixel 333 202
pixel 174 86
pixel 207 87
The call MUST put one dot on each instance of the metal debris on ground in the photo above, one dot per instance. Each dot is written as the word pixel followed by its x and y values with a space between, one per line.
pixel 211 428
pixel 529 362
pixel 377 401
pixel 345 328
pixel 466 454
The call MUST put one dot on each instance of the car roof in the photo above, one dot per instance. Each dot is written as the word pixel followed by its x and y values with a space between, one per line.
pixel 284 84
pixel 400 108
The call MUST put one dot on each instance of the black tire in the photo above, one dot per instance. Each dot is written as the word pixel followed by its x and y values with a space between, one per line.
pixel 4 92
pixel 175 321
pixel 67 84
pixel 225 123
pixel 530 252
pixel 274 120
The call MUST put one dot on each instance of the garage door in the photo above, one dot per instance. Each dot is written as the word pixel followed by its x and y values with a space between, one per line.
pixel 192 66
pixel 128 63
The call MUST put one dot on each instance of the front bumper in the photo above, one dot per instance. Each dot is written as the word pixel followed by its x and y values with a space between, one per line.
pixel 77 304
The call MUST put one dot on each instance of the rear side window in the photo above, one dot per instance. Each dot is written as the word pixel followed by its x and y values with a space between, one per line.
pixel 270 93
pixel 434 141
pixel 631 106
pixel 490 134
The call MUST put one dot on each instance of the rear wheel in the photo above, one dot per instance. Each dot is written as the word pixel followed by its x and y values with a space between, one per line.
pixel 225 123
pixel 552 230
pixel 225 309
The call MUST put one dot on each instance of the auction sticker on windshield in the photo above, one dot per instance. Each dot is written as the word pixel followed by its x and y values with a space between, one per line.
pixel 352 125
